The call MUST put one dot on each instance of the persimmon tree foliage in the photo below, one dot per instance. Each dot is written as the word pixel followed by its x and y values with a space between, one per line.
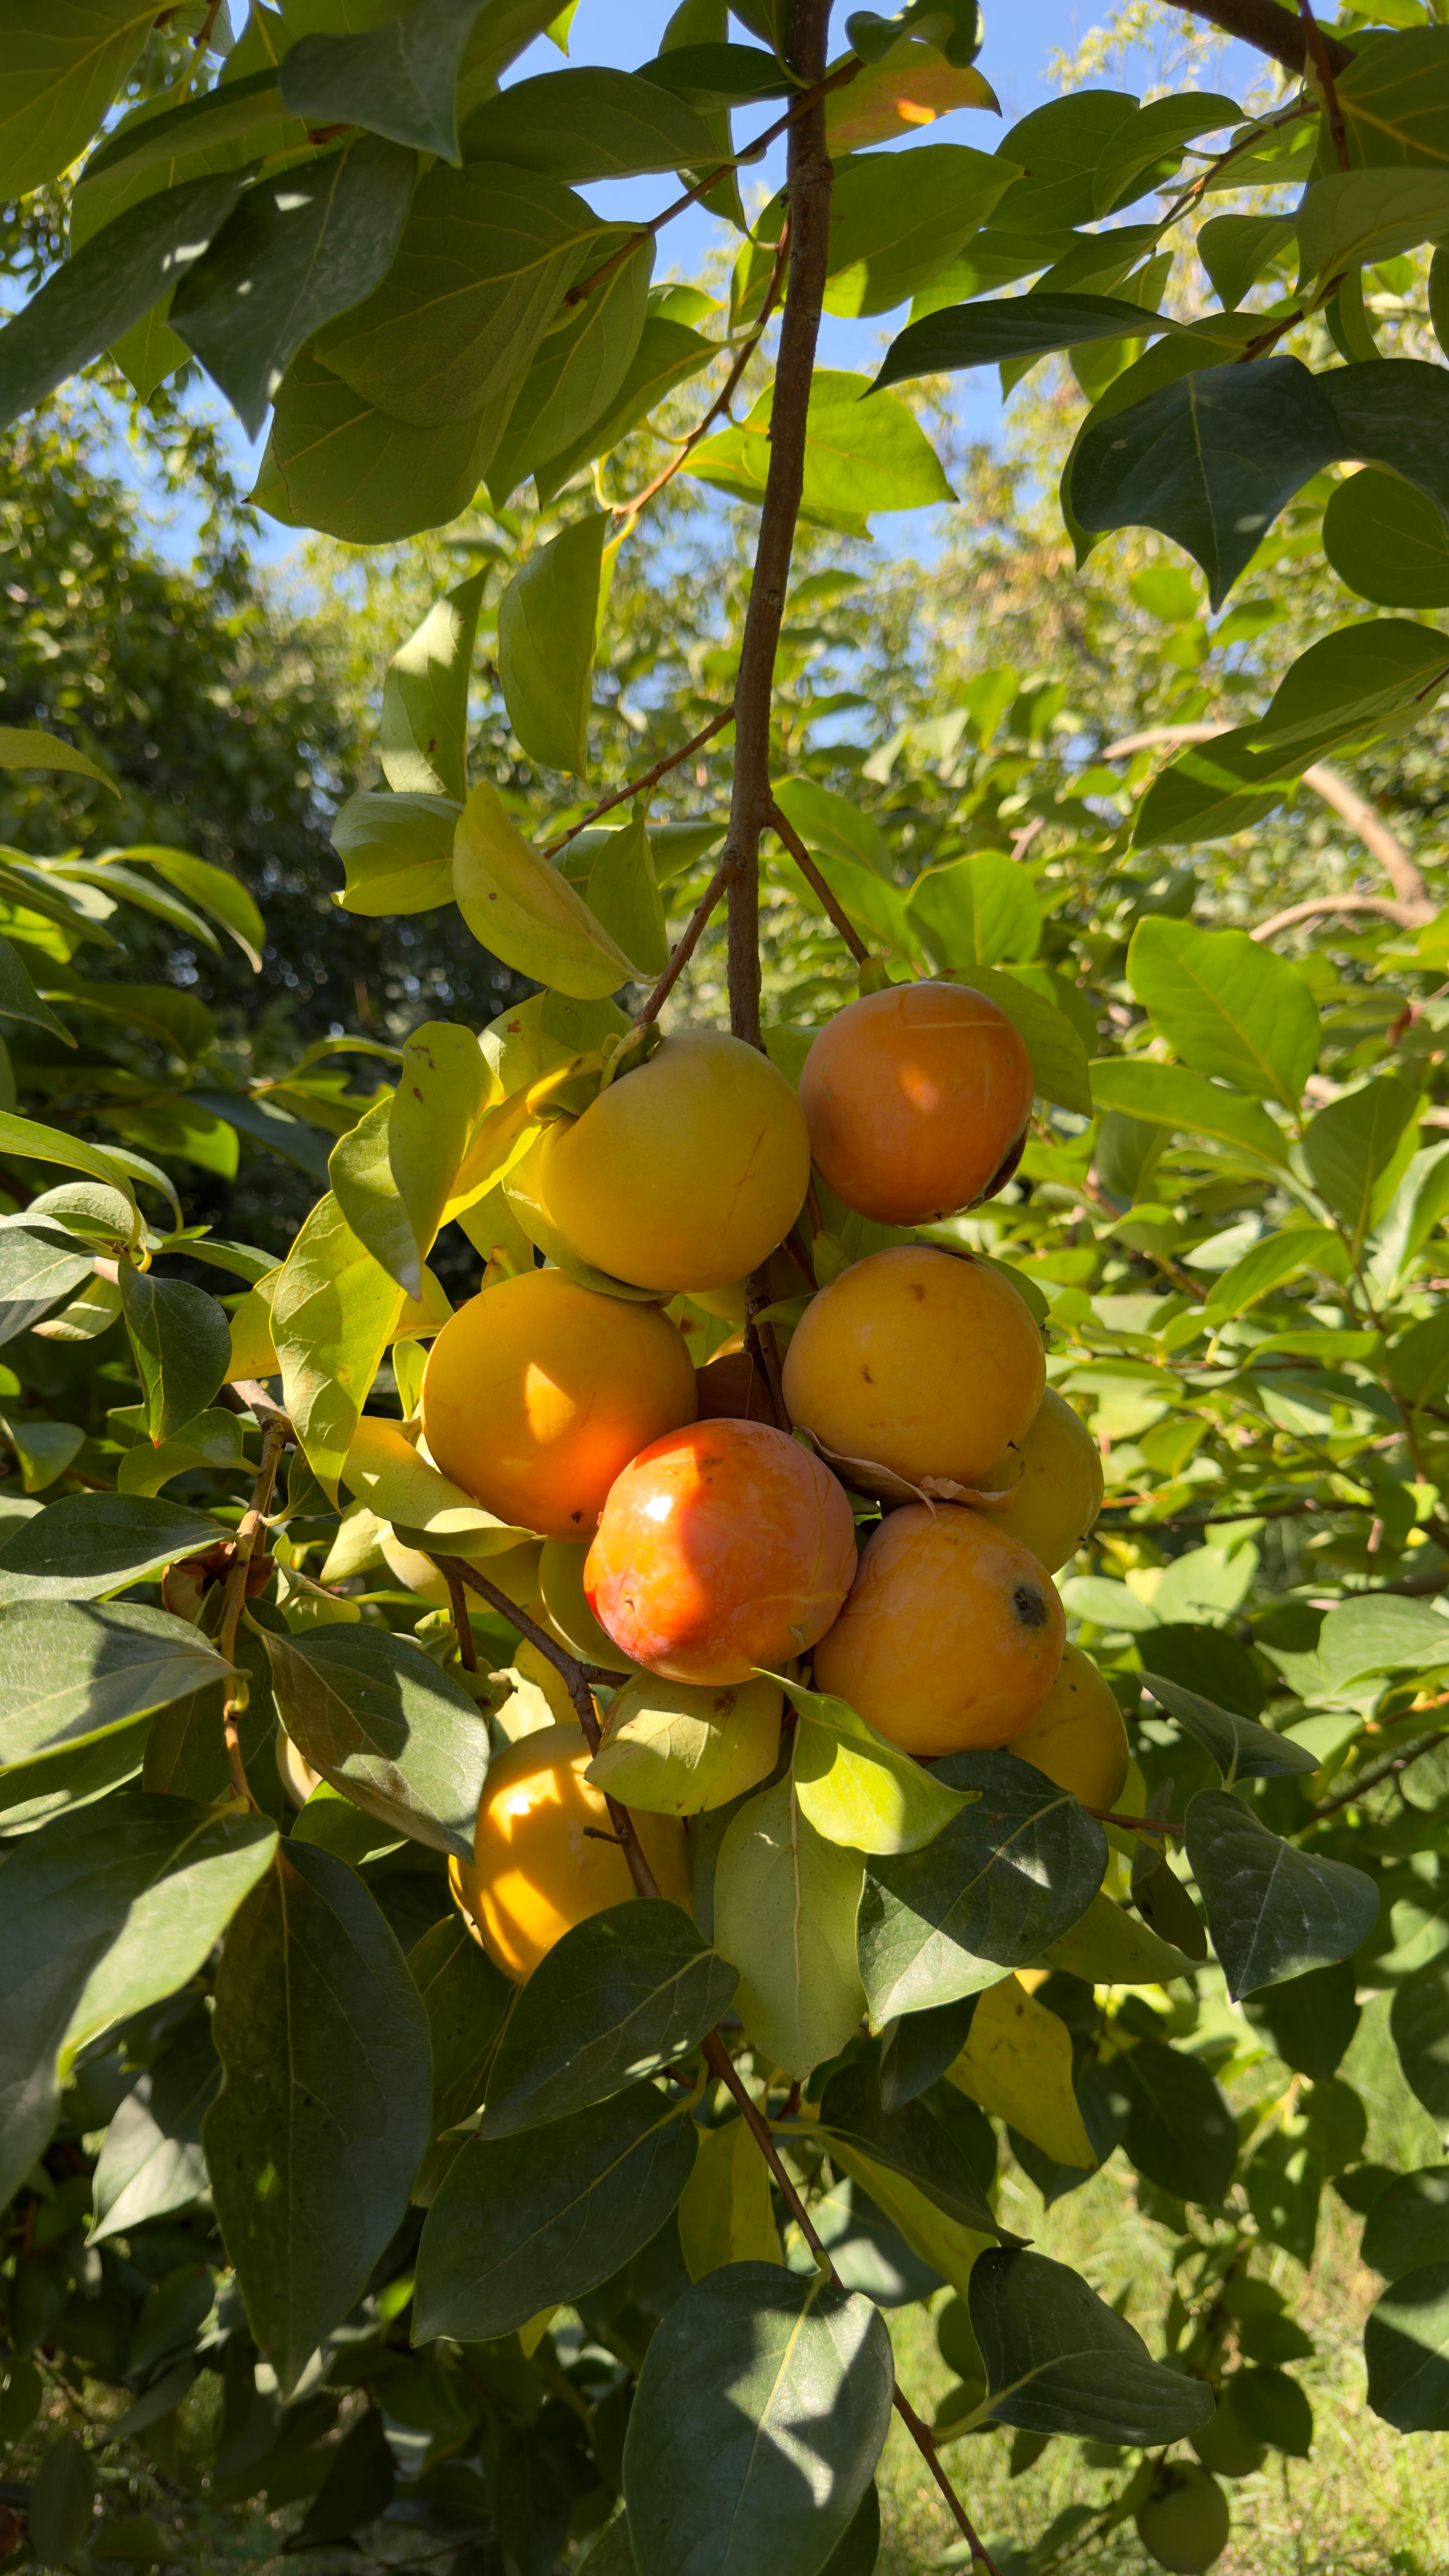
pixel 590 2255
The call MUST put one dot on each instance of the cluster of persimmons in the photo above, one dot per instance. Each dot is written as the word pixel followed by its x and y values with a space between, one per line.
pixel 691 1550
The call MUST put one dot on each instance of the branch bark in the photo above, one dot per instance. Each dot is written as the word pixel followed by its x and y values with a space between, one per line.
pixel 1267 27
pixel 808 178
pixel 786 832
pixel 639 786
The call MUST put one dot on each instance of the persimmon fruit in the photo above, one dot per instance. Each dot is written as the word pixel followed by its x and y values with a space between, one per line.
pixel 1055 1472
pixel 683 1174
pixel 538 1391
pixel 544 1853
pixel 916 1099
pixel 1184 2523
pixel 918 1362
pixel 951 1636
pixel 1077 1736
pixel 722 1547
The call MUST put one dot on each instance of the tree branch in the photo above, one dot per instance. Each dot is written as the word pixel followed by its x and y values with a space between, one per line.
pixel 1317 44
pixel 1269 30
pixel 275 1435
pixel 808 192
pixel 640 786
pixel 786 832
pixel 684 947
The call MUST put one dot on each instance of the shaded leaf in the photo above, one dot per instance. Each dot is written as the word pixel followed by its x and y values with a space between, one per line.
pixel 346 465
pixel 1272 1911
pixel 1059 2360
pixel 1356 1149
pixel 87 1545
pixel 991 333
pixel 182 1344
pixel 151 2162
pixel 1406 2347
pixel 784 1916
pixel 588 123
pixel 466 2000
pixel 423 738
pixel 1180 2131
pixel 332 1314
pixel 387 1727
pixel 39 1266
pixel 397 851
pixel 1241 1750
pixel 892 230
pixel 71 1673
pixel 547 624
pixel 910 2140
pixel 1408 2224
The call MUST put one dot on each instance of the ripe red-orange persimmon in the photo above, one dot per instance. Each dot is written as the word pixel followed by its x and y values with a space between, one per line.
pixel 538 1391
pixel 952 1635
pixel 916 1099
pixel 722 1547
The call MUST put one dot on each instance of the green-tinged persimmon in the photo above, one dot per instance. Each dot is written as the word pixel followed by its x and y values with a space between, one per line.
pixel 1055 1476
pixel 1077 1736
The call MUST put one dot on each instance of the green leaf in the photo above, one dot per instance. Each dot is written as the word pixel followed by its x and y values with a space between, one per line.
pixel 299 250
pixel 975 911
pixel 25 1140
pixel 39 1266
pixel 1241 1750
pixel 1110 1947
pixel 1379 1634
pixel 1394 92
pixel 1312 2019
pixel 1272 1911
pixel 484 259
pixel 1139 147
pixel 860 455
pixel 222 115
pixel 24 747
pixel 580 370
pixel 856 1788
pixel 909 2140
pixel 1059 1066
pixel 1406 2347
pixel 397 851
pixel 1226 1005
pixel 589 123
pixel 623 1994
pixel 43 1450
pixel 387 1727
pixel 1059 2360
pixel 62 70
pixel 547 624
pixel 667 355
pixel 784 1915
pixel 182 1345
pixel 213 890
pixel 1395 412
pixel 1418 2023
pixel 332 1314
pixel 62 2499
pixel 1168 1095
pixel 387 1474
pixel 623 893
pixel 1235 250
pixel 1355 216
pixel 1181 2133
pixel 527 913
pixel 1388 541
pixel 1366 680
pixel 1007 1876
pixel 107 286
pixel 106 1911
pixel 521 2223
pixel 19 999
pixel 70 1674
pixel 712 76
pixel 894 226
pixel 1058 148
pixel 400 78
pixel 1357 1148
pixel 151 2162
pixel 423 738
pixel 1267 1264
pixel 1013 329
pixel 337 462
pixel 760 2413
pixel 466 2000
pixel 88 1545
pixel 1209 461
pixel 1408 2224
pixel 314 2139
pixel 442 1087
pixel 185 1749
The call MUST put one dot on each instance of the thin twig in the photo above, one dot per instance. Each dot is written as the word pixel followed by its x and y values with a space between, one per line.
pixel 274 1440
pixel 629 510
pixel 641 786
pixel 1135 1824
pixel 805 107
pixel 569 1669
pixel 785 830
pixel 1318 52
pixel 458 1598
pixel 1398 1760
pixel 684 947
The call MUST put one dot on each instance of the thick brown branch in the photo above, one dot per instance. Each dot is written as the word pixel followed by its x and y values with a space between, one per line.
pixel 1406 915
pixel 1267 27
pixel 808 191
pixel 641 786
pixel 787 833
pixel 1318 56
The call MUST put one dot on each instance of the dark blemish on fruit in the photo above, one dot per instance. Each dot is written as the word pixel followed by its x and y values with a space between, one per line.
pixel 1031 1610
pixel 917 1291
pixel 865 1373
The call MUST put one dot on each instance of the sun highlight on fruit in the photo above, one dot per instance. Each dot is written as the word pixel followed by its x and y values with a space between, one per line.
pixel 1078 1736
pixel 1055 1468
pixel 918 1362
pixel 685 1173
pixel 544 1852
pixel 951 1636
pixel 721 1548
pixel 538 1391
pixel 917 1099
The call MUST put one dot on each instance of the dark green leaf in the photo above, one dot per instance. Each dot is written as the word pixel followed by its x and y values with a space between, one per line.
pixel 1350 217
pixel 151 2163
pixel 579 373
pixel 387 1727
pixel 1241 1750
pixel 1235 250
pixel 399 79
pixel 910 2141
pixel 1209 461
pixel 621 1995
pixel 1272 1911
pixel 105 1911
pixel 859 2552
pixel 1058 149
pixel 1013 328
pixel 710 76
pixel 186 1750
pixel 39 1267
pixel 314 2139
pixel 358 2487
pixel 1284 2182
pixel 1277 2409
pixel 1419 2020
pixel 668 353
pixel 299 250
pixel 547 627
pixel 122 271
pixel 1356 1147
pixel 918 2048
pixel 70 1673
pixel 62 2500
pixel 1180 2132
pixel 1310 2019
pixel 521 2223
pixel 1388 541
pixel 1406 2347
pixel 1228 1006
pixel 1369 679
pixel 589 123
pixel 221 115
pixel 182 1343
pixel 19 999
pixel 761 2410
pixel 1059 2360
pixel 466 2000
pixel 1409 2223
pixel 1000 1881
pixel 1141 145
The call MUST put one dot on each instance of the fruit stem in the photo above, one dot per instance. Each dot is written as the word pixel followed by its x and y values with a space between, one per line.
pixel 275 1434
pixel 458 1601
pixel 786 832
pixel 807 184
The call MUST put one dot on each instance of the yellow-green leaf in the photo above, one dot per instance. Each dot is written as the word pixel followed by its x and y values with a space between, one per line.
pixel 386 1474
pixel 442 1085
pixel 524 912
pixel 332 1315
pixel 1017 2063
pixel 857 1789
pixel 725 2212
pixel 547 624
